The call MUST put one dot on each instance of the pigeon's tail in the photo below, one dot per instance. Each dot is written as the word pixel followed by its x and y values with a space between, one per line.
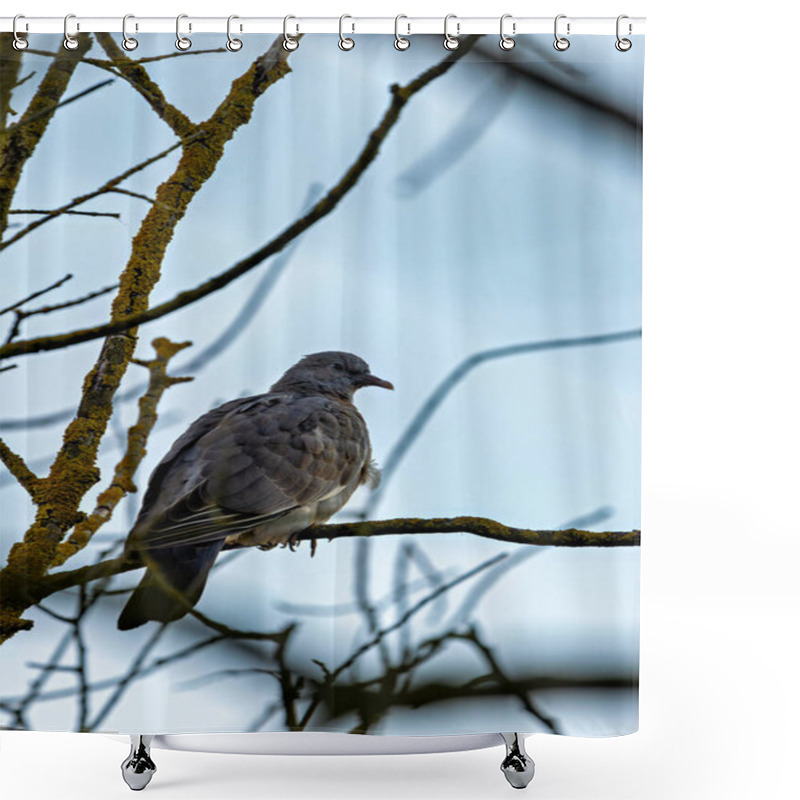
pixel 184 569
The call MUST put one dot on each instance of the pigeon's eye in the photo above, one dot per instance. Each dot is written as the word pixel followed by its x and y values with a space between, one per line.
pixel 339 367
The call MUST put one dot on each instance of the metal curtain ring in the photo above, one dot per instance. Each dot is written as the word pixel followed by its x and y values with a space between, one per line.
pixel 70 42
pixel 561 43
pixel 451 42
pixel 19 43
pixel 288 42
pixel 234 45
pixel 400 42
pixel 345 43
pixel 506 42
pixel 623 45
pixel 182 42
pixel 128 42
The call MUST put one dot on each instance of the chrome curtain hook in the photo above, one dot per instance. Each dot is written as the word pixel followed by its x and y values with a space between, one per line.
pixel 128 42
pixel 19 43
pixel 182 42
pixel 451 42
pixel 233 44
pixel 561 43
pixel 70 42
pixel 506 42
pixel 346 43
pixel 623 45
pixel 289 43
pixel 400 42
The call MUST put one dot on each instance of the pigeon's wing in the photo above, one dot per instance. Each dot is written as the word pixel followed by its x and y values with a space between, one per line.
pixel 260 461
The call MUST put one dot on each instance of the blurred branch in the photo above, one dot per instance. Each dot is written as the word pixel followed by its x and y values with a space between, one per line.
pixel 138 434
pixel 452 379
pixel 400 96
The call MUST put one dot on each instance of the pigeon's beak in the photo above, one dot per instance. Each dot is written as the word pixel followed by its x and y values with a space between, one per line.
pixel 369 379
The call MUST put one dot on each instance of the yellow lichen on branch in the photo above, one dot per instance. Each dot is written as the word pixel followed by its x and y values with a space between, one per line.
pixel 74 469
pixel 138 434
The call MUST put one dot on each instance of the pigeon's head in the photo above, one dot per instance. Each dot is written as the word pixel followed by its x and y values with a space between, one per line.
pixel 332 372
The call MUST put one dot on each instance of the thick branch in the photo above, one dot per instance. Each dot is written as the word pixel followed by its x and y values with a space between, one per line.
pixel 138 434
pixel 400 96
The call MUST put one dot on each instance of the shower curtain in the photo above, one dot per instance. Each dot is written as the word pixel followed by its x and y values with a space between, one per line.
pixel 215 266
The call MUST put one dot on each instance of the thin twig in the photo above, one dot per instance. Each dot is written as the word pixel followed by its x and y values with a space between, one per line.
pixel 106 187
pixel 33 296
pixel 55 106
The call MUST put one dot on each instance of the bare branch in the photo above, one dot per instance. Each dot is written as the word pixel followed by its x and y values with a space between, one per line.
pixel 33 296
pixel 112 214
pixel 138 434
pixel 110 186
pixel 74 470
pixel 400 96
pixel 22 314
pixel 19 143
pixel 138 77
pixel 19 469
pixel 480 526
pixel 50 110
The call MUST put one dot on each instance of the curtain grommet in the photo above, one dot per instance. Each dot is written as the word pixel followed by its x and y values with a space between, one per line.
pixel 451 42
pixel 400 42
pixel 623 45
pixel 345 42
pixel 70 42
pixel 233 44
pixel 182 42
pixel 18 42
pixel 289 43
pixel 507 42
pixel 561 43
pixel 128 42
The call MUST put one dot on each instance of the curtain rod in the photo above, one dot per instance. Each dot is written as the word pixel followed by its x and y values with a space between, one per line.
pixel 352 24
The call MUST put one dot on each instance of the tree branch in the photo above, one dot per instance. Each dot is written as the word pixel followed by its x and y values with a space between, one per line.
pixel 400 96
pixel 138 434
pixel 74 470
pixel 19 142
pixel 109 186
pixel 19 469
pixel 138 77
pixel 480 526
